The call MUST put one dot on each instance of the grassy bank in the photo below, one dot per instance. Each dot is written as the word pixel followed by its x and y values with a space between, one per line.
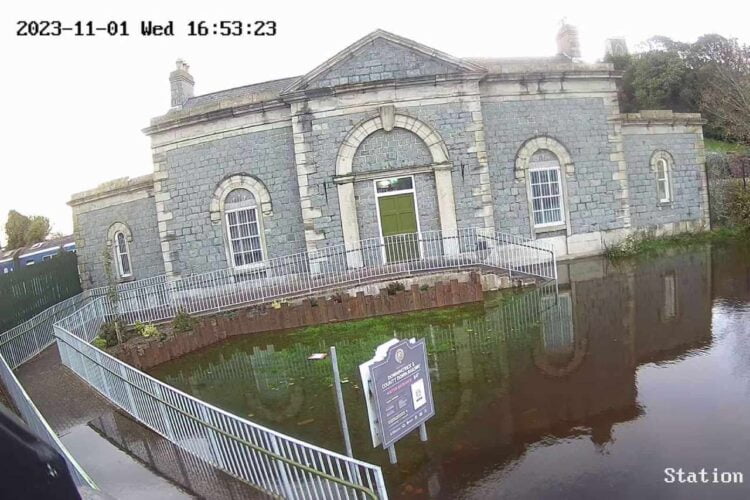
pixel 717 146
pixel 645 244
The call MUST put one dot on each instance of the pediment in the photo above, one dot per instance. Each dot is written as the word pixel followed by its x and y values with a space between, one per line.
pixel 382 56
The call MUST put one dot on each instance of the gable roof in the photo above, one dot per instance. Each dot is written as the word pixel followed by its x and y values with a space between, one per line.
pixel 460 65
pixel 258 92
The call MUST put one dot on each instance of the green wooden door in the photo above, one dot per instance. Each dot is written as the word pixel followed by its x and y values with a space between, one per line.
pixel 398 221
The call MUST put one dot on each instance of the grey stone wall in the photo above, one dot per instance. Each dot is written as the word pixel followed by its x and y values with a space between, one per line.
pixel 451 120
pixel 580 124
pixel 686 178
pixel 91 230
pixel 395 149
pixel 193 174
pixel 383 150
pixel 382 60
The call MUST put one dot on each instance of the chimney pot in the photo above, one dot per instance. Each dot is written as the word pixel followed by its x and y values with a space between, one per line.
pixel 567 41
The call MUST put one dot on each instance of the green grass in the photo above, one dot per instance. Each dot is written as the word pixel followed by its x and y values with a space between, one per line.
pixel 643 244
pixel 717 146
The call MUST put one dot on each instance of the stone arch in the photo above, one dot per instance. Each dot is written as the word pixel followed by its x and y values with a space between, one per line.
pixel 118 227
pixel 580 348
pixel 527 150
pixel 661 154
pixel 358 134
pixel 240 181
pixel 387 120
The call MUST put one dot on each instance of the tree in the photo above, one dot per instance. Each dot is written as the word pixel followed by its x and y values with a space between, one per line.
pixel 38 229
pixel 706 75
pixel 657 80
pixel 726 96
pixel 15 229
pixel 22 230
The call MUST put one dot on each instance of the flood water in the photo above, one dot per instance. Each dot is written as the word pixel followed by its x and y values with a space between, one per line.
pixel 591 393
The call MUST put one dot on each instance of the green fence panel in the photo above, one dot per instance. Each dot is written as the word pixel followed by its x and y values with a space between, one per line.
pixel 30 290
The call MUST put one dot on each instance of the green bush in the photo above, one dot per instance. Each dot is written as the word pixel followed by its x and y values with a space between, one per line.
pixel 395 287
pixel 146 330
pixel 738 206
pixel 108 331
pixel 183 322
pixel 99 342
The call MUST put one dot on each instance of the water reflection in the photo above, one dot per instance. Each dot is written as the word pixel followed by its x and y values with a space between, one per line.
pixel 521 383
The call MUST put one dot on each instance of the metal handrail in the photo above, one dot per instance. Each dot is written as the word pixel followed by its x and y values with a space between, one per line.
pixel 36 422
pixel 159 298
pixel 365 261
pixel 259 449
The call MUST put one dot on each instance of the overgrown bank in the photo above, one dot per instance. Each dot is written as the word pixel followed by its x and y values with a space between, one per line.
pixel 645 244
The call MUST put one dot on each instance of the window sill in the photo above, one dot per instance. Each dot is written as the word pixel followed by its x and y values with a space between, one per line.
pixel 664 204
pixel 550 229
pixel 249 267
pixel 126 279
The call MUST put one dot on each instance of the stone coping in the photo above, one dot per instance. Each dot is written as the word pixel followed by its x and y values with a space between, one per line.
pixel 661 117
pixel 107 189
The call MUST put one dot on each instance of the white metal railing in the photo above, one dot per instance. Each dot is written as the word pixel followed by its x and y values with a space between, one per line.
pixel 276 463
pixel 244 445
pixel 337 266
pixel 38 425
pixel 31 337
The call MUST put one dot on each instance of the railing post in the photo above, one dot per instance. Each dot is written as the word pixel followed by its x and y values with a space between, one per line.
pixel 129 392
pixel 281 468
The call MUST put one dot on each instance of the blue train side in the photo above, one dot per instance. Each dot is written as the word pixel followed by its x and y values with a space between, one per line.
pixel 34 254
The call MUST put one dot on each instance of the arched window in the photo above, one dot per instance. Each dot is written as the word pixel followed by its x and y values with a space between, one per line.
pixel 545 189
pixel 662 181
pixel 243 228
pixel 662 165
pixel 122 255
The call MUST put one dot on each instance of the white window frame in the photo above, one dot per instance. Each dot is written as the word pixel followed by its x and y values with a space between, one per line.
pixel 118 255
pixel 259 226
pixel 669 309
pixel 546 166
pixel 412 191
pixel 663 179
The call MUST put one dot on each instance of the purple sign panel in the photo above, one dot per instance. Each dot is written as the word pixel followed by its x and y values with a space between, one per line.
pixel 402 390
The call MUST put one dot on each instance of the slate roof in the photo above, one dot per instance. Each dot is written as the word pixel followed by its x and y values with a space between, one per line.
pixel 265 91
pixel 272 89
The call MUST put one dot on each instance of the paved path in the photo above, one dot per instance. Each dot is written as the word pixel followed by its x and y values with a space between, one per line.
pixel 112 448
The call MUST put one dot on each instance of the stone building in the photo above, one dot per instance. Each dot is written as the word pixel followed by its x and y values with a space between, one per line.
pixel 390 136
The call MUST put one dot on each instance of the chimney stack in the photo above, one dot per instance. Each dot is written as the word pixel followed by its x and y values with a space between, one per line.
pixel 181 83
pixel 616 47
pixel 567 41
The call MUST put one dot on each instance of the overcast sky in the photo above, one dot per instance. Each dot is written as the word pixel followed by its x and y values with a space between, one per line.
pixel 74 107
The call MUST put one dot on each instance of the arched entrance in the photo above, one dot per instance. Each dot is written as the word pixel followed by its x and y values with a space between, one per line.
pixel 391 178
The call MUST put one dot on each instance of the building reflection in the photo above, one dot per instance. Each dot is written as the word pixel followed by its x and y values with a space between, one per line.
pixel 520 372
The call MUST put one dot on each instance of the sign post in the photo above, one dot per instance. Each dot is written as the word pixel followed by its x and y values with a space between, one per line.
pixel 399 395
pixel 340 402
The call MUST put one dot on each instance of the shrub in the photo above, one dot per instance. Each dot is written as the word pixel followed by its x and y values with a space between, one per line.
pixel 738 206
pixel 109 329
pixel 99 342
pixel 395 287
pixel 183 322
pixel 146 330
